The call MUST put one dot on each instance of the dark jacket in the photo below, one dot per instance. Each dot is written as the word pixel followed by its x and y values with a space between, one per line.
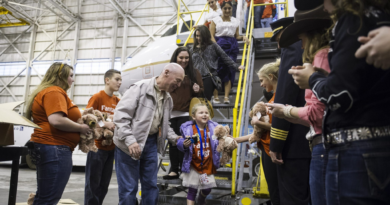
pixel 210 57
pixel 355 93
pixel 288 138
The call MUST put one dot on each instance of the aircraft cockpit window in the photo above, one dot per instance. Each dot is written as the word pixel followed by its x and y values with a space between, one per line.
pixel 184 27
pixel 171 31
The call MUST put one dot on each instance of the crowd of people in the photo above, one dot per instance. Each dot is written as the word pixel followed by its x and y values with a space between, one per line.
pixel 327 138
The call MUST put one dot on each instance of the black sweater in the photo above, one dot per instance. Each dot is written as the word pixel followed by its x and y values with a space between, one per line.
pixel 356 94
pixel 288 138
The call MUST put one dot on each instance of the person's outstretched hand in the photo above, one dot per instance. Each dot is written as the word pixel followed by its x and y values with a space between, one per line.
pixel 301 75
pixel 276 109
pixel 376 48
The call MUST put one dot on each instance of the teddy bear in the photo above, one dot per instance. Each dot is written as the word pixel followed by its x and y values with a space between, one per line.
pixel 87 142
pixel 108 134
pixel 226 143
pixel 99 130
pixel 259 109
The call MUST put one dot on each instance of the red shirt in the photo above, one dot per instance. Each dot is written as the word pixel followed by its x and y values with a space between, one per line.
pixel 208 166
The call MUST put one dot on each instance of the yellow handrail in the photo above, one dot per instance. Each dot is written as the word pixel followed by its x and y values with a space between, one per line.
pixel 245 59
pixel 193 29
pixel 189 28
pixel 236 129
pixel 237 126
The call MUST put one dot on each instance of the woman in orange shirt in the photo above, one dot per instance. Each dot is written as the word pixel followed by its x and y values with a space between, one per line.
pixel 51 109
pixel 268 76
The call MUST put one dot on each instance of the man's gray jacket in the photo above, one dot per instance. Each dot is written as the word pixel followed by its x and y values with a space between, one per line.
pixel 134 115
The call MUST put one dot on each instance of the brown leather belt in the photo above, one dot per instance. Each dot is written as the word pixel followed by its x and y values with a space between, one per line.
pixel 316 140
pixel 357 134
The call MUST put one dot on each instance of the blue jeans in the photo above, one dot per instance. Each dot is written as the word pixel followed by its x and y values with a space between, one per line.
pixel 258 10
pixel 358 173
pixel 98 173
pixel 319 159
pixel 129 171
pixel 54 166
pixel 265 23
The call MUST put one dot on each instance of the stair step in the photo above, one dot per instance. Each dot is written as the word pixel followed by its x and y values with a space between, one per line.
pixel 223 121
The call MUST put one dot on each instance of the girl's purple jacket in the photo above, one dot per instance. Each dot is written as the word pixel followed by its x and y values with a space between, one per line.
pixel 186 130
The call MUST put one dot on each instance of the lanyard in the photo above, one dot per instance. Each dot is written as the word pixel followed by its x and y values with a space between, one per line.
pixel 201 144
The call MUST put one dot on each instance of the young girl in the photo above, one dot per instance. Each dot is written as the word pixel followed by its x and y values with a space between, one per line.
pixel 268 76
pixel 199 162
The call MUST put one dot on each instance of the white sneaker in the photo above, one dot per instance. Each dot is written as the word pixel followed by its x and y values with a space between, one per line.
pixel 226 100
pixel 216 101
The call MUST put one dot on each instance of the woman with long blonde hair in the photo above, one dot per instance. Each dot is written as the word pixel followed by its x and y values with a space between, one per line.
pixel 268 76
pixel 52 109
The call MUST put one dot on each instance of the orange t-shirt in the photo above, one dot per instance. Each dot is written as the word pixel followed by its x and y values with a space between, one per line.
pixel 52 100
pixel 268 10
pixel 255 2
pixel 266 138
pixel 104 103
pixel 208 166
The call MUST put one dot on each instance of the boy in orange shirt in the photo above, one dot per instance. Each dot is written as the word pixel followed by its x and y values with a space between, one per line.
pixel 98 169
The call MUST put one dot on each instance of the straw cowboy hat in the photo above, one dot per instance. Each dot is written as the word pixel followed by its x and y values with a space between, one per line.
pixel 305 21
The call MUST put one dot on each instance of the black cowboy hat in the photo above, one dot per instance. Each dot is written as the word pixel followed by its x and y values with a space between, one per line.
pixel 304 5
pixel 305 21
pixel 279 25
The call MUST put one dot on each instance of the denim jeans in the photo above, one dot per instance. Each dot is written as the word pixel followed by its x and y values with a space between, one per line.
pixel 98 171
pixel 54 166
pixel 258 11
pixel 129 171
pixel 265 23
pixel 359 173
pixel 319 159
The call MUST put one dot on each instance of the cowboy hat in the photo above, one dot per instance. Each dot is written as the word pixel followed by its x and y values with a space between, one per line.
pixel 279 25
pixel 305 21
pixel 304 5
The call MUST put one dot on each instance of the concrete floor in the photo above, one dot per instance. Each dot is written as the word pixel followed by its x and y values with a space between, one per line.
pixel 74 189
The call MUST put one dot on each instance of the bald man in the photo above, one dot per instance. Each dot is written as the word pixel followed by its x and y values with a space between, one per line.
pixel 144 108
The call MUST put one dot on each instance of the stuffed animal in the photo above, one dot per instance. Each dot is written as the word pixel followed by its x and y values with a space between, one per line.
pixel 259 109
pixel 108 134
pixel 226 143
pixel 105 115
pixel 99 130
pixel 87 142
